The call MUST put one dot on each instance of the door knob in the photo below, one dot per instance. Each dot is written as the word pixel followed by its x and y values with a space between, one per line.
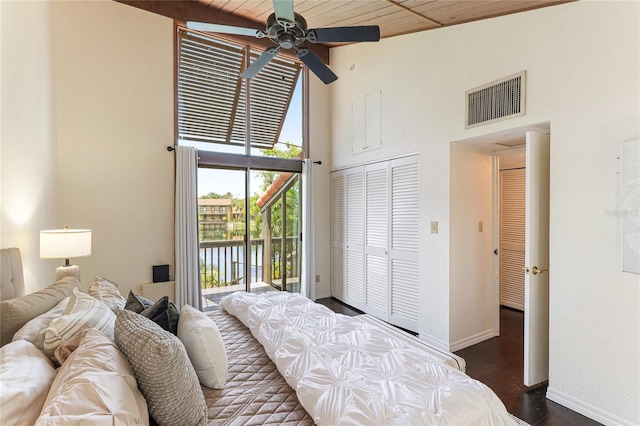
pixel 535 270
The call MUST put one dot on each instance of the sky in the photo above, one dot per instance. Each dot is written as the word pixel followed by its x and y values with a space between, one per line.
pixel 223 181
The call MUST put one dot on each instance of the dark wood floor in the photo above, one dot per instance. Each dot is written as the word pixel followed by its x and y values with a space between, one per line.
pixel 499 364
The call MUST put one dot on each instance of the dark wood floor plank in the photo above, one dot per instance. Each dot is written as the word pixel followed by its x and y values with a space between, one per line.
pixel 499 363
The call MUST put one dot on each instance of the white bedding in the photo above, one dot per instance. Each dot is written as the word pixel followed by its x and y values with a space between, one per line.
pixel 445 357
pixel 347 371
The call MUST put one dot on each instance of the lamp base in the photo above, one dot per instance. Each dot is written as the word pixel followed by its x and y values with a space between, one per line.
pixel 67 271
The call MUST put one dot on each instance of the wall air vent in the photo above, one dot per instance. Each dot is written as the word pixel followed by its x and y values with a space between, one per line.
pixel 496 101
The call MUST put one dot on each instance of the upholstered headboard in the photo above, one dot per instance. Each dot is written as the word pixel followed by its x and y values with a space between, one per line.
pixel 16 307
pixel 11 276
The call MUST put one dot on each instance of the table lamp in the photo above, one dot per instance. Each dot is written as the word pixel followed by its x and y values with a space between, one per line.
pixel 64 244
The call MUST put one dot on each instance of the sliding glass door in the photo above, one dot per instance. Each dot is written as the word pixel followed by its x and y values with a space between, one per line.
pixel 276 214
pixel 267 257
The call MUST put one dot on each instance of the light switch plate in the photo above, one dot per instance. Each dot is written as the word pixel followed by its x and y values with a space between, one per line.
pixel 480 226
pixel 434 227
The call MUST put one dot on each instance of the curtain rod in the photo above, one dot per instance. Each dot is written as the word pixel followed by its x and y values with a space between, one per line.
pixel 172 148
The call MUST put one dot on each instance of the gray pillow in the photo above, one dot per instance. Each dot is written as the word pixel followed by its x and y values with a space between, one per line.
pixel 14 313
pixel 162 369
pixel 164 313
pixel 137 303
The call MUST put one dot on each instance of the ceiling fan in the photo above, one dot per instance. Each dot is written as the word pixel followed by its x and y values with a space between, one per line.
pixel 288 30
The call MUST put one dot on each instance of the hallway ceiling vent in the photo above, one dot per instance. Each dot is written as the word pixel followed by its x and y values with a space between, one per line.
pixel 495 101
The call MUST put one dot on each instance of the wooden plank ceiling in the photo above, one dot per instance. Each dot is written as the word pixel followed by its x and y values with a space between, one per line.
pixel 395 17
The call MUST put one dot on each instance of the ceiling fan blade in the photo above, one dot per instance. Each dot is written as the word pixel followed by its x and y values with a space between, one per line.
pixel 283 10
pixel 318 67
pixel 225 29
pixel 260 62
pixel 345 34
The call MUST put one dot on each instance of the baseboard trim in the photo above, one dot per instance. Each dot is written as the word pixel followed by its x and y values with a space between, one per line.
pixel 435 342
pixel 322 295
pixel 472 340
pixel 585 409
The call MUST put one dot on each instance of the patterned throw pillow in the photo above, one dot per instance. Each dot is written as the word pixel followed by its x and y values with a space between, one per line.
pixel 107 291
pixel 162 369
pixel 82 312
pixel 205 347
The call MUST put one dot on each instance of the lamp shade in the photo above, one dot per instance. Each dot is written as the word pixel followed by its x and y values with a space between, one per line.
pixel 65 243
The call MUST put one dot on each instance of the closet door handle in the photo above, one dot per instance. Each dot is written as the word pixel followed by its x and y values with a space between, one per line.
pixel 535 270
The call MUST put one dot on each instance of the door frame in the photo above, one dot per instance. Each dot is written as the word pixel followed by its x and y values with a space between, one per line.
pixel 506 141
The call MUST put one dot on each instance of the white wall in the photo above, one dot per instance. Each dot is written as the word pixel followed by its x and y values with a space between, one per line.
pixel 87 111
pixel 27 134
pixel 582 61
pixel 471 286
pixel 320 150
pixel 115 114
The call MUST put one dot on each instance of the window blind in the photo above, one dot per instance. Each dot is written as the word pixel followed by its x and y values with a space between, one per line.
pixel 212 98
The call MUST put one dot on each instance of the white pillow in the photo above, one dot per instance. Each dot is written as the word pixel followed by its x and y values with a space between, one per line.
pixel 26 376
pixel 82 312
pixel 32 330
pixel 95 385
pixel 205 347
pixel 107 291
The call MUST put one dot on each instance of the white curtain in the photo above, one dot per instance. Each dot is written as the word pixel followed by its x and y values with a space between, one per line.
pixel 308 274
pixel 187 276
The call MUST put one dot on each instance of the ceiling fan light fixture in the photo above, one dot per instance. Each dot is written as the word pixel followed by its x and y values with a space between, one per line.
pixel 288 30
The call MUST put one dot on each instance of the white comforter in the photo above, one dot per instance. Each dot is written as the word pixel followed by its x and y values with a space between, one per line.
pixel 349 372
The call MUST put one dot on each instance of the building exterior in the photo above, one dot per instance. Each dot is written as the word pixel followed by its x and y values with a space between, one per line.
pixel 219 220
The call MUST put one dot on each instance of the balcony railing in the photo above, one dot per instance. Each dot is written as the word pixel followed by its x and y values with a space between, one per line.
pixel 222 262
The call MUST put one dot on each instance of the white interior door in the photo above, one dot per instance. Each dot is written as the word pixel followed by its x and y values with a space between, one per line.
pixel 337 234
pixel 536 260
pixel 512 225
pixel 404 254
pixel 376 239
pixel 354 238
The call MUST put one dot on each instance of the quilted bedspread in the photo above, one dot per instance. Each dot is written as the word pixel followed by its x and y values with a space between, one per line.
pixel 346 371
pixel 255 392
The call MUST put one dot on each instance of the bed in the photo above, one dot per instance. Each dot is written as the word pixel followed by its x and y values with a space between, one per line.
pixel 294 362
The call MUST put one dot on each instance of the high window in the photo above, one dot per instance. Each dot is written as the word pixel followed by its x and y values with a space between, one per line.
pixel 219 111
pixel 250 145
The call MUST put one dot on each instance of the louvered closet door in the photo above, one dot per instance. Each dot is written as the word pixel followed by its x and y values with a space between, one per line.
pixel 337 234
pixel 404 230
pixel 376 239
pixel 354 237
pixel 512 221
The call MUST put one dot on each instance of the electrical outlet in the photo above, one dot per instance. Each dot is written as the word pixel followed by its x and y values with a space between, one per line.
pixel 434 227
pixel 317 278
